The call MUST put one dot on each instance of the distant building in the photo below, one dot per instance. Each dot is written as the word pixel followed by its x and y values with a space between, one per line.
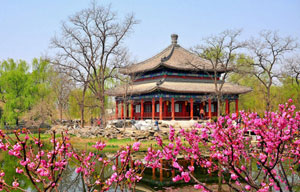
pixel 174 84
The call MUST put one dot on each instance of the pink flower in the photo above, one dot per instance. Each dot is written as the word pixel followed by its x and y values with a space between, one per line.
pixel 243 167
pixel 97 182
pixel 176 165
pixel 159 140
pixel 176 178
pixel 15 184
pixel 198 186
pixel 208 163
pixel 185 176
pixel 234 176
pixel 136 146
pixel 114 176
pixel 100 145
pixel 191 168
pixel 78 169
pixel 19 170
pixel 262 157
pixel 172 134
pixel 248 187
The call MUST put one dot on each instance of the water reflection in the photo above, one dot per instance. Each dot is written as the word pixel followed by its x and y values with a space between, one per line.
pixel 152 181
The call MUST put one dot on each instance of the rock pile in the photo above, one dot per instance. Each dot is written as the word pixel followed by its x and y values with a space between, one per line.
pixel 138 131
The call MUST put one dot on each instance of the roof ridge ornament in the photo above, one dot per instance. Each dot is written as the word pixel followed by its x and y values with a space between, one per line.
pixel 169 56
pixel 174 38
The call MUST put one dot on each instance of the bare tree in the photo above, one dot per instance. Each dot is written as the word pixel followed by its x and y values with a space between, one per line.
pixel 91 46
pixel 62 85
pixel 292 68
pixel 267 52
pixel 220 50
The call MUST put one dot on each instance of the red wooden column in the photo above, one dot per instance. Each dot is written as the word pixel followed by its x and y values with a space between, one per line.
pixel 117 161
pixel 226 107
pixel 192 109
pixel 183 109
pixel 173 109
pixel 165 106
pixel 161 171
pixel 209 108
pixel 153 108
pixel 192 164
pixel 173 171
pixel 142 109
pixel 153 173
pixel 131 110
pixel 237 106
pixel 122 109
pixel 117 110
pixel 160 109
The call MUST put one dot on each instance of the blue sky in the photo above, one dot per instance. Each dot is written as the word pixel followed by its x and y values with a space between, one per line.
pixel 26 27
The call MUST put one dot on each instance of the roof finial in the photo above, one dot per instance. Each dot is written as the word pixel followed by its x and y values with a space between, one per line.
pixel 174 38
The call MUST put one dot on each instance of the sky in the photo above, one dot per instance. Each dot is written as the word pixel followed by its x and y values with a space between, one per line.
pixel 26 26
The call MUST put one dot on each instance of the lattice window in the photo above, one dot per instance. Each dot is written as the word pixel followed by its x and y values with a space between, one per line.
pixel 148 108
pixel 138 108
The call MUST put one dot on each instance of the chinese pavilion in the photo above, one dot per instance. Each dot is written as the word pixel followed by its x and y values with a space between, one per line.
pixel 174 84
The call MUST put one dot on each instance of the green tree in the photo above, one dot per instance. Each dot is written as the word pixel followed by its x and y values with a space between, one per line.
pixel 91 105
pixel 43 108
pixel 17 90
pixel 252 101
pixel 289 88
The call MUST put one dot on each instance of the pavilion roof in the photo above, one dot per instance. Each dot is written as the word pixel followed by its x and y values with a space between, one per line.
pixel 176 87
pixel 174 57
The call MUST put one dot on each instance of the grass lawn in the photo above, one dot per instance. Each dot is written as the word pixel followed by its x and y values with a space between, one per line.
pixel 112 145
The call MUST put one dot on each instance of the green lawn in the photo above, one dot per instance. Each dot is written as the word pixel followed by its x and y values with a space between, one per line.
pixel 112 145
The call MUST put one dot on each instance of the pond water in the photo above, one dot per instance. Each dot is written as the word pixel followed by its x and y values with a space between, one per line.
pixel 71 181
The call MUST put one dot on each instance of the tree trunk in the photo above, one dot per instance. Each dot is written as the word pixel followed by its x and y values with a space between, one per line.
pixel 60 113
pixel 82 106
pixel 82 115
pixel 219 180
pixel 219 106
pixel 125 113
pixel 102 109
pixel 268 99
pixel 219 103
